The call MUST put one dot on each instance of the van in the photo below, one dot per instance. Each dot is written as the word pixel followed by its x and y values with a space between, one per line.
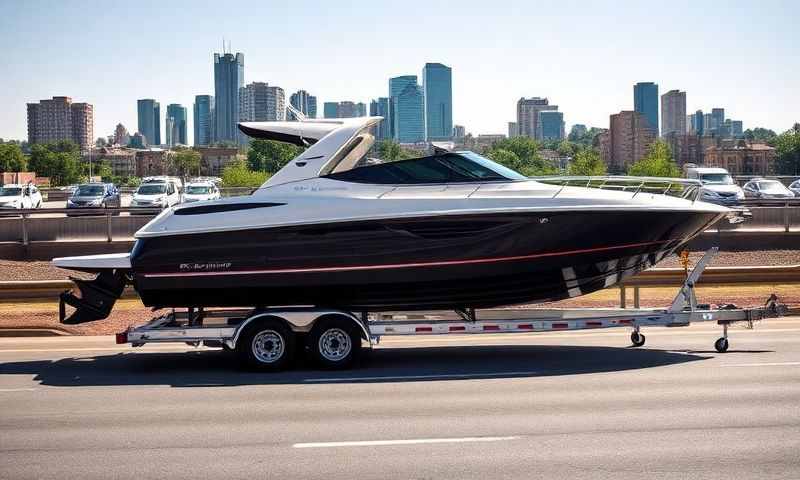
pixel 718 185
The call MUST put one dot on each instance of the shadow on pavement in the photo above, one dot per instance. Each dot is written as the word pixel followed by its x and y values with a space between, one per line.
pixel 218 368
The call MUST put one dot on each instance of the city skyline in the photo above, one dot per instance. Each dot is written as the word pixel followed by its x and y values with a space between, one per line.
pixel 487 65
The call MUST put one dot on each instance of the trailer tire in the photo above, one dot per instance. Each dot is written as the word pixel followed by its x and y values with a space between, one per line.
pixel 266 345
pixel 335 343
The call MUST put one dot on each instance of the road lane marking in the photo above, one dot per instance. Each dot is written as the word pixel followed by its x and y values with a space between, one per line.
pixel 421 377
pixel 415 441
pixel 7 390
pixel 173 348
pixel 765 364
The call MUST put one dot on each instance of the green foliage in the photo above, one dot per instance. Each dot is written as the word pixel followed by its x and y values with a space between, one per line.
pixel 657 163
pixel 99 168
pixel 584 138
pixel 236 174
pixel 186 161
pixel 787 150
pixel 760 134
pixel 390 151
pixel 587 162
pixel 270 156
pixel 525 158
pixel 12 159
pixel 58 161
pixel 125 181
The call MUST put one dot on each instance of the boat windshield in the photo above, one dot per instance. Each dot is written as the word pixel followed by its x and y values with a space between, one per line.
pixel 458 167
pixel 10 192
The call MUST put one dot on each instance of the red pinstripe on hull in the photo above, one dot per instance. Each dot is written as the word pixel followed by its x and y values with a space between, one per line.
pixel 405 265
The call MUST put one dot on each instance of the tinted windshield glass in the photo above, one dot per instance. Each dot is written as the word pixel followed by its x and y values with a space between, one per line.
pixel 198 190
pixel 722 178
pixel 459 167
pixel 89 191
pixel 152 189
pixel 10 192
pixel 773 186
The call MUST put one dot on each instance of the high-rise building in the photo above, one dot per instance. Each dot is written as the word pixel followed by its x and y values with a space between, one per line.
pixel 645 101
pixel 171 131
pixel 380 108
pixel 330 110
pixel 228 79
pixel 348 109
pixel 396 86
pixel 513 129
pixel 437 86
pixel 149 120
pixel 459 132
pixel 178 114
pixel 259 102
pixel 717 119
pixel 528 115
pixel 708 122
pixel 305 103
pixel 56 119
pixel 408 113
pixel 203 120
pixel 737 128
pixel 551 123
pixel 673 112
pixel 630 135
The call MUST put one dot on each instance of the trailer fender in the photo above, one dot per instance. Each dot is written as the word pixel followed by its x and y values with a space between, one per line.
pixel 299 321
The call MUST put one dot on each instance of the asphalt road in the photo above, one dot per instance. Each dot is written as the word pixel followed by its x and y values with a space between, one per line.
pixel 569 405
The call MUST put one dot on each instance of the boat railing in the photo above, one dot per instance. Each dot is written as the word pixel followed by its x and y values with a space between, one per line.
pixel 674 187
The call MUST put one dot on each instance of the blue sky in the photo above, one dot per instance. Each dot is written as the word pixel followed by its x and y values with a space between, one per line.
pixel 584 56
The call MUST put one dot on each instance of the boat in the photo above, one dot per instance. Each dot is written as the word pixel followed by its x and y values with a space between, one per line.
pixel 337 228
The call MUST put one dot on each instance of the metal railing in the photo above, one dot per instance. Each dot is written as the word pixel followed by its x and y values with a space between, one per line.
pixel 674 187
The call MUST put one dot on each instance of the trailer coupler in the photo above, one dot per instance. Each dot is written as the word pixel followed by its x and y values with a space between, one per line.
pixel 94 300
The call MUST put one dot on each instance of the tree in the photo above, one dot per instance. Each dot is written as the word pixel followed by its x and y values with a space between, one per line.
pixel 186 161
pixel 587 162
pixel 657 163
pixel 59 161
pixel 236 174
pixel 583 137
pixel 270 156
pixel 12 159
pixel 526 159
pixel 100 142
pixel 760 134
pixel 787 151
pixel 390 151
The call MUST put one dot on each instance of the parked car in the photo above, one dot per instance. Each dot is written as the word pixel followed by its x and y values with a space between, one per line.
pixel 20 196
pixel 795 188
pixel 157 195
pixel 718 185
pixel 200 191
pixel 94 195
pixel 766 189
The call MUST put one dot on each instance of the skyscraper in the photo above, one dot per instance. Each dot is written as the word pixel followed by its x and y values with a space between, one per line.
pixel 528 115
pixel 149 120
pixel 380 108
pixel 630 136
pixel 552 125
pixel 645 101
pixel 203 126
pixel 228 79
pixel 330 110
pixel 408 114
pixel 178 114
pixel 396 86
pixel 697 123
pixel 58 119
pixel 171 131
pixel 673 112
pixel 259 102
pixel 305 103
pixel 513 129
pixel 717 119
pixel 437 85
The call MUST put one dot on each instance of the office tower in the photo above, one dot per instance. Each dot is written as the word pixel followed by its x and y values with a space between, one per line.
pixel 513 129
pixel 397 85
pixel 380 108
pixel 552 125
pixel 630 136
pixel 259 102
pixel 171 131
pixel 717 119
pixel 330 110
pixel 149 123
pixel 528 115
pixel 737 128
pixel 708 124
pixel 437 86
pixel 408 114
pixel 179 115
pixel 673 112
pixel 56 119
pixel 645 101
pixel 228 79
pixel 305 103
pixel 459 132
pixel 203 119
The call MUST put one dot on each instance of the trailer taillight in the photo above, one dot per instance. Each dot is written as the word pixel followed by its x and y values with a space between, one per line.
pixel 122 337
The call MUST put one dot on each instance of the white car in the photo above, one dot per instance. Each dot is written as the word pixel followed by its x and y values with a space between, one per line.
pixel 200 191
pixel 20 196
pixel 156 195
pixel 718 185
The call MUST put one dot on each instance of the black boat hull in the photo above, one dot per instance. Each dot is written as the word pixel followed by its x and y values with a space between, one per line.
pixel 465 261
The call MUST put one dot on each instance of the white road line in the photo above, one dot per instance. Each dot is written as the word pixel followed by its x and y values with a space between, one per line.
pixel 173 348
pixel 765 364
pixel 416 441
pixel 420 377
pixel 6 390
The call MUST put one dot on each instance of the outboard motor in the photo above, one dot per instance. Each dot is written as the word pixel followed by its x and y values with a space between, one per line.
pixel 95 298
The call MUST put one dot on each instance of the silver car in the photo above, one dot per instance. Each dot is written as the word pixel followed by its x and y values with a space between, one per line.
pixel 766 189
pixel 795 188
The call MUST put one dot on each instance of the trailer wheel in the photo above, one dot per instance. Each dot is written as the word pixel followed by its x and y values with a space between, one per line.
pixel 266 345
pixel 637 339
pixel 335 343
pixel 721 345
